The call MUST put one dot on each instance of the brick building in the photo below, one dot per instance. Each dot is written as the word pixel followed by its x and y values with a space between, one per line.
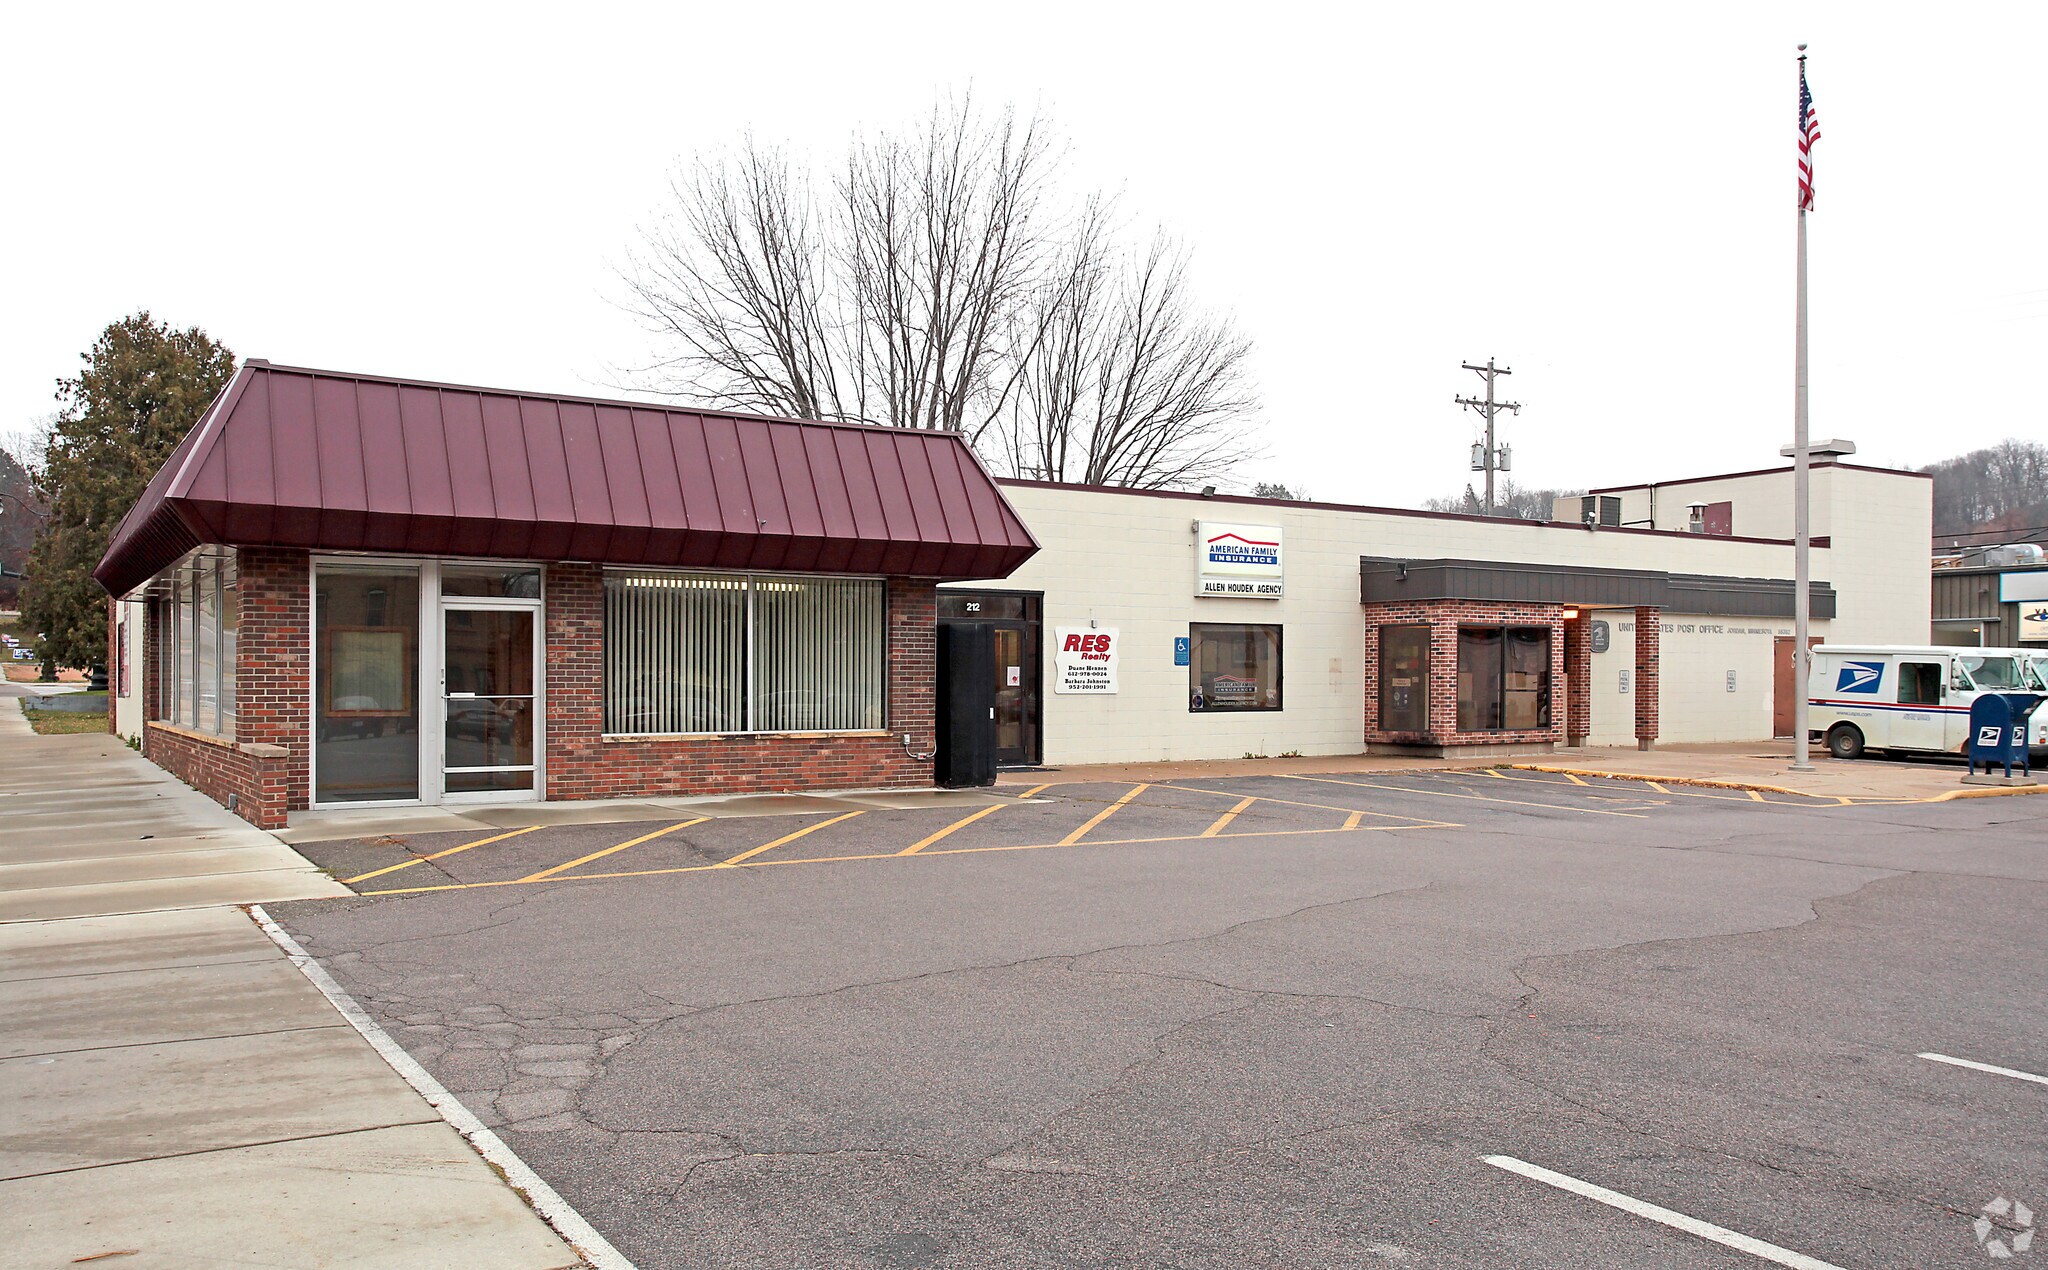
pixel 349 590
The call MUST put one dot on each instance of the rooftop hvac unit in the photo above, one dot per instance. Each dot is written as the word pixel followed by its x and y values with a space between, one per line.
pixel 2014 554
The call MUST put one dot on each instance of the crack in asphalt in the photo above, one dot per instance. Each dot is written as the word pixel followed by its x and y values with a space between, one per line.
pixel 1678 1141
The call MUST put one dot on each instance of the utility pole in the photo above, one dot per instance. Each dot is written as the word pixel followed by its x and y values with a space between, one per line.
pixel 1489 457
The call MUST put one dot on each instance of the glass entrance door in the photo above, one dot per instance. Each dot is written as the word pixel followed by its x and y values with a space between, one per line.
pixel 488 701
pixel 1016 709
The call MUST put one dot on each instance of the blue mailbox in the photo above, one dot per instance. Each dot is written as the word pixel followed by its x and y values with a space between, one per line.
pixel 1998 730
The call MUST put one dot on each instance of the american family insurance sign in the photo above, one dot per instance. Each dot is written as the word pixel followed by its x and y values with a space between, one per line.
pixel 1237 561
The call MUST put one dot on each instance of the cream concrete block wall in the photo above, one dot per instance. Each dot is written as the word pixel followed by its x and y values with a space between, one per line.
pixel 128 709
pixel 1614 706
pixel 1694 702
pixel 1127 560
pixel 1879 525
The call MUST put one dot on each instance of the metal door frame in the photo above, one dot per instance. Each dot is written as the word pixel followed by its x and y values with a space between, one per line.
pixel 1034 603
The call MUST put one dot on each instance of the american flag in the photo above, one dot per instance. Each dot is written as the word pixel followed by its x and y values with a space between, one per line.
pixel 1809 132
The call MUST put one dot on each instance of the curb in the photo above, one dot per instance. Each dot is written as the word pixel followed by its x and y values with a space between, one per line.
pixel 1844 800
pixel 1986 793
pixel 553 1209
pixel 1686 780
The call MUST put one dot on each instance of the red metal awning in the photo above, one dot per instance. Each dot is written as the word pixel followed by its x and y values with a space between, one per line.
pixel 337 462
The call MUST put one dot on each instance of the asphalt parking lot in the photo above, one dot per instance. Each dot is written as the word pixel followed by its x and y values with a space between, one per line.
pixel 1443 1019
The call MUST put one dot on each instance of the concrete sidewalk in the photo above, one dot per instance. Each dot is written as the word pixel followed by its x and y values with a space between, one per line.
pixel 176 1091
pixel 1761 765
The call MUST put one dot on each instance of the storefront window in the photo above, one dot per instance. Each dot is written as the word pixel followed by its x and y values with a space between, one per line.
pixel 366 721
pixel 699 652
pixel 1233 668
pixel 196 646
pixel 1503 678
pixel 1404 678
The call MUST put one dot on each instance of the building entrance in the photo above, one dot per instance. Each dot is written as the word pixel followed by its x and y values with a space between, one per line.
pixel 1014 619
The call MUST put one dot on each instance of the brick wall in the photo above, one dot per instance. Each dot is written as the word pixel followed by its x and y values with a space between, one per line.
pixel 1578 669
pixel 263 768
pixel 1649 657
pixel 583 763
pixel 1444 617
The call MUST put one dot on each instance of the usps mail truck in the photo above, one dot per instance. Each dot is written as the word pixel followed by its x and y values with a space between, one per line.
pixel 2033 678
pixel 1909 699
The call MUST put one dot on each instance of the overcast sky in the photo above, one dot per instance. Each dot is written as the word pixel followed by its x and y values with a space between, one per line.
pixel 1603 200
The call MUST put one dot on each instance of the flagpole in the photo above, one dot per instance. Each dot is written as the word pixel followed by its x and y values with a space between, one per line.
pixel 1802 660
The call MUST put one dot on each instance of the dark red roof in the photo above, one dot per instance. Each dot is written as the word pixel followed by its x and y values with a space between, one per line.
pixel 337 462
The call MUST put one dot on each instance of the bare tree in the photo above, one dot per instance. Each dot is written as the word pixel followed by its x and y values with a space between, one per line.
pixel 1511 501
pixel 881 297
pixel 1280 490
pixel 2001 489
pixel 1130 383
pixel 939 282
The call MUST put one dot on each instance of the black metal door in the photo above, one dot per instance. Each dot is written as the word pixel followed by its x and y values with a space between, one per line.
pixel 966 704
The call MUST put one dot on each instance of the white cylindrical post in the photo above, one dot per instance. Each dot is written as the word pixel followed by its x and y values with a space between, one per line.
pixel 1802 660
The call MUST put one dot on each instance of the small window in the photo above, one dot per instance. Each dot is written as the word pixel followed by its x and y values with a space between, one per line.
pixel 1993 674
pixel 1233 668
pixel 490 582
pixel 1919 683
pixel 983 606
pixel 1503 679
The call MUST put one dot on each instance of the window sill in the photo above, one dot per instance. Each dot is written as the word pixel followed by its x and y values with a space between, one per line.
pixel 226 741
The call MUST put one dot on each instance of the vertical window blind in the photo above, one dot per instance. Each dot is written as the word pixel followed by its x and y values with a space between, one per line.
pixel 196 646
pixel 704 652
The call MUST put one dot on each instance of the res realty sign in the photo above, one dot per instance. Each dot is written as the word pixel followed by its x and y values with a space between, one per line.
pixel 1237 561
pixel 1084 659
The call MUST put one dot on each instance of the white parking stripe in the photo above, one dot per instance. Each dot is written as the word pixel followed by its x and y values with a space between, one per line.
pixel 1984 1067
pixel 1677 1221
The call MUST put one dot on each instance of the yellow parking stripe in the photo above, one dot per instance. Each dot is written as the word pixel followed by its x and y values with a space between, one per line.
pixel 1103 815
pixel 1226 818
pixel 1035 789
pixel 1755 796
pixel 1477 798
pixel 788 837
pixel 1573 779
pixel 480 842
pixel 1487 771
pixel 897 855
pixel 961 823
pixel 599 855
pixel 1293 802
pixel 1351 821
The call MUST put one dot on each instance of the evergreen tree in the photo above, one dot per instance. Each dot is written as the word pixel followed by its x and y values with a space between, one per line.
pixel 142 388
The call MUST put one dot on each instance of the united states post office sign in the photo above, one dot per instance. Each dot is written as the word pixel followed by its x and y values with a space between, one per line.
pixel 1241 562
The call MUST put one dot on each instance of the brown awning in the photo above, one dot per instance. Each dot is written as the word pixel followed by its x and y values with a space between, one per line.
pixel 337 462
